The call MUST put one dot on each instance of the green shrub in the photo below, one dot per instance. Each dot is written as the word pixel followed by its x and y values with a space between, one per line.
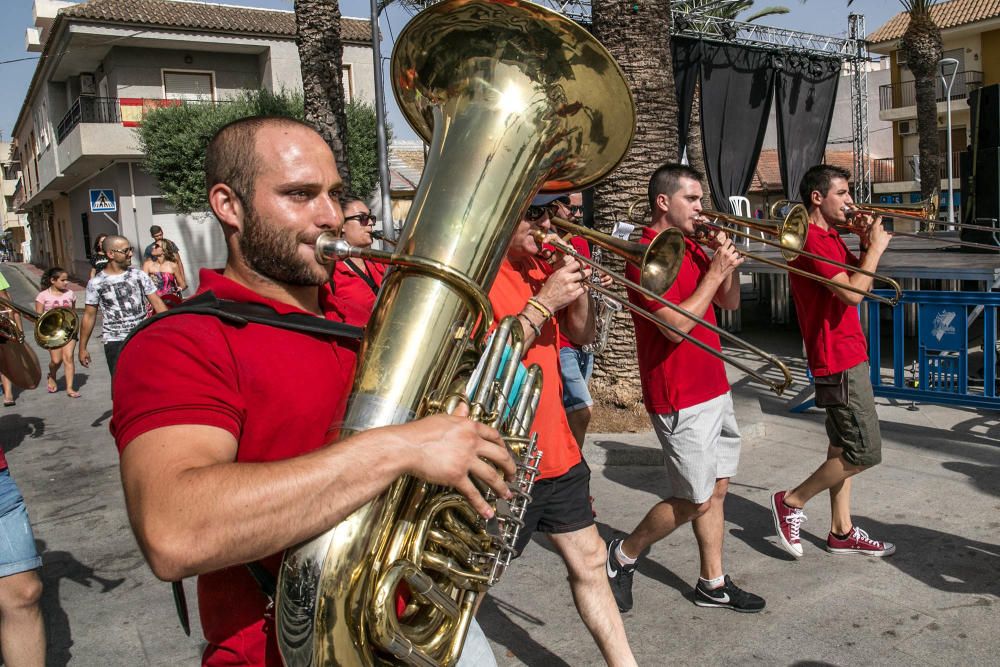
pixel 174 140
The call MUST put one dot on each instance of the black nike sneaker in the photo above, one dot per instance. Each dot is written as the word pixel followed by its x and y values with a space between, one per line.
pixel 728 595
pixel 620 577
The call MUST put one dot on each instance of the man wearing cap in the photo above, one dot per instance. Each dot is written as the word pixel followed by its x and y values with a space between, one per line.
pixel 549 299
pixel 157 233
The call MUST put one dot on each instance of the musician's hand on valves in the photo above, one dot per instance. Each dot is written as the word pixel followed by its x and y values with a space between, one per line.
pixel 447 449
pixel 564 286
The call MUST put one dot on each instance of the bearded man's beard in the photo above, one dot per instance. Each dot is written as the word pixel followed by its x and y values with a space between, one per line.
pixel 273 253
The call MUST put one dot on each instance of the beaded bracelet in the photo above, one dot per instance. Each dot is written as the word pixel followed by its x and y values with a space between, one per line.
pixel 534 327
pixel 537 305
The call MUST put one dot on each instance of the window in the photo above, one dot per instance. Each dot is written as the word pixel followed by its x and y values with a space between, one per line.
pixel 189 86
pixel 348 82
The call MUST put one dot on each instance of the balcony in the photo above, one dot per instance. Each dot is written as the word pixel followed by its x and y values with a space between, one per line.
pixel 902 95
pixel 897 170
pixel 88 110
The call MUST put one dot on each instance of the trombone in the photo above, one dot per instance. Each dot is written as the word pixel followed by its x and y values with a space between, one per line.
pixel 792 237
pixel 651 289
pixel 53 329
pixel 923 212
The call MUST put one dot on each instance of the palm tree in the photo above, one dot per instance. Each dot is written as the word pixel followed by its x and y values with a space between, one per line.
pixel 637 33
pixel 321 55
pixel 921 47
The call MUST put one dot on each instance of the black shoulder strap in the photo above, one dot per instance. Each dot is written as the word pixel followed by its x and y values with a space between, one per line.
pixel 364 276
pixel 240 314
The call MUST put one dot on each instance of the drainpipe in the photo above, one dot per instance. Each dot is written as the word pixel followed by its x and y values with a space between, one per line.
pixel 388 225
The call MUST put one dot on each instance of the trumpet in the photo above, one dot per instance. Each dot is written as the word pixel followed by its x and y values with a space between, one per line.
pixel 791 233
pixel 651 290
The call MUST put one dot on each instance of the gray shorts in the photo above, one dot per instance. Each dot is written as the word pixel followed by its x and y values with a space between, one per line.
pixel 701 444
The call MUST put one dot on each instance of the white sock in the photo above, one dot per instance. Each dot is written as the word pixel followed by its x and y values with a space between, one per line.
pixel 622 558
pixel 712 584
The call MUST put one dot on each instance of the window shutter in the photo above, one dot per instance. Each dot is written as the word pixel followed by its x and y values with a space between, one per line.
pixel 187 86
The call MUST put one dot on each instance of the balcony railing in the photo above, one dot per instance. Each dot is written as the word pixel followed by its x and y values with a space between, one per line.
pixel 899 95
pixel 892 170
pixel 129 111
pixel 89 110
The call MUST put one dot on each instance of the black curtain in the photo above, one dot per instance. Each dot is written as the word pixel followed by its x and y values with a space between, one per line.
pixel 736 84
pixel 805 90
pixel 686 55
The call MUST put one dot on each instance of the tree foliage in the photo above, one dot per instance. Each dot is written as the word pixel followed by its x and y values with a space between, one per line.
pixel 174 140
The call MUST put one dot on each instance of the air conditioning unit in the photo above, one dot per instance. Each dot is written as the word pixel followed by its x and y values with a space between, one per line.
pixel 907 127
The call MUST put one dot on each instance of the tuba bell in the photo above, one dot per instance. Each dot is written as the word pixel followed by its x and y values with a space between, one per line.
pixel 512 97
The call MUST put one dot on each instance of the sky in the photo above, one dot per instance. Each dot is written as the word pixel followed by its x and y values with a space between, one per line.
pixel 827 17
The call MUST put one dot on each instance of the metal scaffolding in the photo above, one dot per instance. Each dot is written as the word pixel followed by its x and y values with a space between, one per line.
pixel 699 23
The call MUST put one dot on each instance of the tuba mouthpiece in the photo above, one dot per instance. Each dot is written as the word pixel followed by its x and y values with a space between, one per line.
pixel 331 248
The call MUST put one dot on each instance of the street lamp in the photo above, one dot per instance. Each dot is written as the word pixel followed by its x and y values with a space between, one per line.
pixel 945 63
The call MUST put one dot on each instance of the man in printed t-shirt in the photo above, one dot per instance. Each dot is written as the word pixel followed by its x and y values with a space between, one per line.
pixel 547 300
pixel 120 290
pixel 838 356
pixel 686 392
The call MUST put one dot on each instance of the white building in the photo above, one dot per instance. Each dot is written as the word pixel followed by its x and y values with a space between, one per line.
pixel 104 63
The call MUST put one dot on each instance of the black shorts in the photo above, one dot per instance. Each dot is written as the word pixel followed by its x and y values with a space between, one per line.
pixel 558 505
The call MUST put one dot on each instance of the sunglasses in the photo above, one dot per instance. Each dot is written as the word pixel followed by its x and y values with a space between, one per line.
pixel 575 210
pixel 123 251
pixel 536 213
pixel 365 219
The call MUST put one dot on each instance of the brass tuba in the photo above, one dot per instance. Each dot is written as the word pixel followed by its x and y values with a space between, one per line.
pixel 512 97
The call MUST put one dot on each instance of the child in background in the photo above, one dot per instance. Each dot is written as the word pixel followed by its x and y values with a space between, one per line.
pixel 56 294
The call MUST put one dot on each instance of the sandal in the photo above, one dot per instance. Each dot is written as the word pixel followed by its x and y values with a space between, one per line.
pixel 72 393
pixel 9 403
pixel 52 386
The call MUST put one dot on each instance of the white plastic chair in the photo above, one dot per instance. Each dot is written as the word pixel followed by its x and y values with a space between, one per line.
pixel 741 206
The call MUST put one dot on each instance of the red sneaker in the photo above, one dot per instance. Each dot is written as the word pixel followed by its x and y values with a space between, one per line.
pixel 858 542
pixel 786 522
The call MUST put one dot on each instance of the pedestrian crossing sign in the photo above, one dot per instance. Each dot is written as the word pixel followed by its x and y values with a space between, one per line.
pixel 103 201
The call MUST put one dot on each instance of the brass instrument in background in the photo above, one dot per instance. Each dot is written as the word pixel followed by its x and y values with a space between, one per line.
pixel 652 287
pixel 606 311
pixel 924 212
pixel 512 98
pixel 791 233
pixel 53 329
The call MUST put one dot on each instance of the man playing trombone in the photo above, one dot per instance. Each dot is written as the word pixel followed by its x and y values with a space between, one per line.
pixel 686 392
pixel 838 358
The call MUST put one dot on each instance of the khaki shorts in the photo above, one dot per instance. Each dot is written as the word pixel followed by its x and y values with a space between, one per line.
pixel 854 427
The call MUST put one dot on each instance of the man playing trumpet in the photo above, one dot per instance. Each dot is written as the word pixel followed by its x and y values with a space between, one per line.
pixel 686 392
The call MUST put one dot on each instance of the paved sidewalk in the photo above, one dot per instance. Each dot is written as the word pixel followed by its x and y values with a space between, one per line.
pixel 936 602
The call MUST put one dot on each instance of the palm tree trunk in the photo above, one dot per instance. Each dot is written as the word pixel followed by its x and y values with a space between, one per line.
pixel 695 147
pixel 637 33
pixel 321 54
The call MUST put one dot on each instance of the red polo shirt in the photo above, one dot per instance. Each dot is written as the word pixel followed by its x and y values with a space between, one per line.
pixel 676 375
pixel 352 293
pixel 510 292
pixel 280 393
pixel 830 328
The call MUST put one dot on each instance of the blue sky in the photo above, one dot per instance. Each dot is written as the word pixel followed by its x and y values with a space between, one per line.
pixel 827 17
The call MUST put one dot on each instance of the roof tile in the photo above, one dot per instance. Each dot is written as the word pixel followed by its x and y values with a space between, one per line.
pixel 205 16
pixel 945 15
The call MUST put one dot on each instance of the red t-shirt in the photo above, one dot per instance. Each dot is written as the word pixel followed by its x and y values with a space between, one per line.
pixel 510 292
pixel 582 247
pixel 830 328
pixel 676 375
pixel 352 293
pixel 280 392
